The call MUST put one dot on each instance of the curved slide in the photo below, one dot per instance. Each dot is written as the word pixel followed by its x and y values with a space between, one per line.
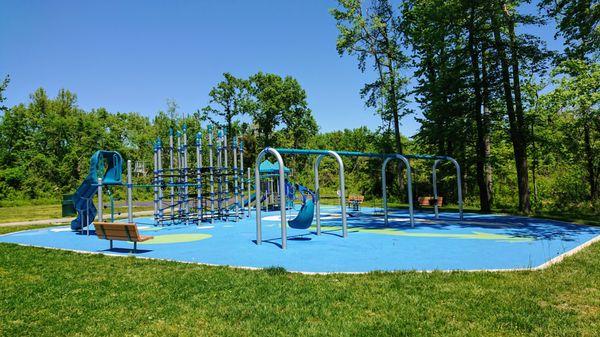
pixel 105 164
pixel 84 205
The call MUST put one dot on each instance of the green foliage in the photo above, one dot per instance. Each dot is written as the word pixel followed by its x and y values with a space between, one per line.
pixel 44 145
pixel 3 87
pixel 228 100
pixel 470 69
pixel 279 100
pixel 371 32
pixel 577 23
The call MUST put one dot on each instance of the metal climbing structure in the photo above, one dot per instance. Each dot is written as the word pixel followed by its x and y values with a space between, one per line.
pixel 185 194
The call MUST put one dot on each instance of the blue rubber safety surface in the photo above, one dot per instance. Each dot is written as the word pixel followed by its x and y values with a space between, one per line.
pixel 447 243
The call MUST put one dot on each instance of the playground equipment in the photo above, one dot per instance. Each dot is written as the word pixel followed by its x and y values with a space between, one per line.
pixel 277 152
pixel 190 195
pixel 269 171
pixel 105 169
pixel 306 214
pixel 182 194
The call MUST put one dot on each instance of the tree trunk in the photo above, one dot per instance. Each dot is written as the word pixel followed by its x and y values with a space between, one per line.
pixel 515 134
pixel 534 166
pixel 519 114
pixel 394 107
pixel 486 124
pixel 397 138
pixel 589 152
pixel 484 197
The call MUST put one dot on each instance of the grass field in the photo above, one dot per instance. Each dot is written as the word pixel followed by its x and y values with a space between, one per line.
pixel 51 293
pixel 43 212
pixel 9 229
pixel 30 212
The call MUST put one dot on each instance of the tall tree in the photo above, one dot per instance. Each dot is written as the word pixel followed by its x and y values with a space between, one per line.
pixel 436 31
pixel 276 100
pixel 578 23
pixel 579 95
pixel 371 33
pixel 512 97
pixel 228 100
pixel 483 153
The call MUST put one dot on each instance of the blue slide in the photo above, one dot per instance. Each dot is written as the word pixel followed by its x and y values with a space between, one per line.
pixel 105 164
pixel 307 212
pixel 84 205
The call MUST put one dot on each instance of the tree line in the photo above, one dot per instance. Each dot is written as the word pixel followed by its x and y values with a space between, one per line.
pixel 523 121
pixel 45 143
pixel 479 83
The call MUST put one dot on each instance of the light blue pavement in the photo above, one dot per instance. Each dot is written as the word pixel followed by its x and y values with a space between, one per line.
pixel 477 242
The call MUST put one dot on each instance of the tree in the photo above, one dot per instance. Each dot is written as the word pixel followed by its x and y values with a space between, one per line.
pixel 228 100
pixel 3 87
pixel 453 82
pixel 579 95
pixel 476 51
pixel 372 34
pixel 276 100
pixel 300 125
pixel 512 96
pixel 578 23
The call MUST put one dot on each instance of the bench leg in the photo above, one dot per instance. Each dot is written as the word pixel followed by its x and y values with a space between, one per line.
pixel 111 244
pixel 134 247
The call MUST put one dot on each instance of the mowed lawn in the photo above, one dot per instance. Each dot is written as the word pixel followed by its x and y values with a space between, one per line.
pixel 45 212
pixel 53 293
pixel 29 212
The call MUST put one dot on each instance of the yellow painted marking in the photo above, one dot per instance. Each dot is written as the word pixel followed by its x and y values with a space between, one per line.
pixel 473 235
pixel 177 238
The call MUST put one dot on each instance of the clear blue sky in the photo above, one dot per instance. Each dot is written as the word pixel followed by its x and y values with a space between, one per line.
pixel 134 55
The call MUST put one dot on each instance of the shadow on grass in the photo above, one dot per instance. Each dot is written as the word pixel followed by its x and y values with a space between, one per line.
pixel 275 270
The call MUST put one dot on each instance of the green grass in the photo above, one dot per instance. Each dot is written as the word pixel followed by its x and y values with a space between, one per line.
pixel 43 212
pixel 55 293
pixel 9 229
pixel 29 212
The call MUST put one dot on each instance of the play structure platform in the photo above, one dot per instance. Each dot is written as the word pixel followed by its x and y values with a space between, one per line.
pixel 478 242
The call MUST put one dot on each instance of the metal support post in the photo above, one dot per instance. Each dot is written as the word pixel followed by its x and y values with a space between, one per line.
pixel 100 205
pixel 129 193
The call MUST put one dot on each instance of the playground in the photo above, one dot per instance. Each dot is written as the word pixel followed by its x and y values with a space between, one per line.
pixel 300 168
pixel 209 213
pixel 493 242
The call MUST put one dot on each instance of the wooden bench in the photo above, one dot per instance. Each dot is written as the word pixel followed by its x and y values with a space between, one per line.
pixel 120 232
pixel 355 201
pixel 430 201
